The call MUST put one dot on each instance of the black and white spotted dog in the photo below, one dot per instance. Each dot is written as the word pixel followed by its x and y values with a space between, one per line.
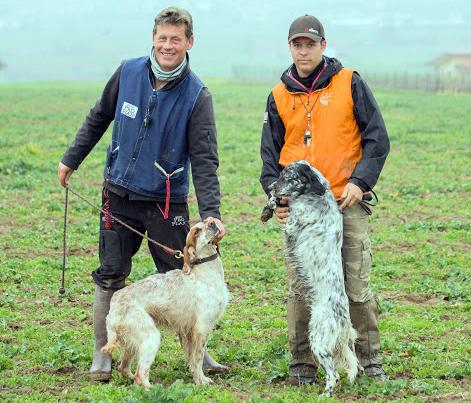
pixel 313 237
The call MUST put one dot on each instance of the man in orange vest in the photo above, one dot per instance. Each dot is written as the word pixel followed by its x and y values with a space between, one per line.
pixel 326 114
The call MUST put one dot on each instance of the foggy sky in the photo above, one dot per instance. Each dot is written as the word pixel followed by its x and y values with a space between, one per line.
pixel 87 39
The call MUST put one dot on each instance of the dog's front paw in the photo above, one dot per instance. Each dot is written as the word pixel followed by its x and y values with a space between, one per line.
pixel 186 269
pixel 203 380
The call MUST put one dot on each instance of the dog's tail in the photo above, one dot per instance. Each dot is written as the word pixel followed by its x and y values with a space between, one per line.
pixel 346 358
pixel 112 344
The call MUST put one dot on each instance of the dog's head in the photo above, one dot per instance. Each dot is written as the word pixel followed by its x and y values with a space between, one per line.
pixel 198 241
pixel 299 178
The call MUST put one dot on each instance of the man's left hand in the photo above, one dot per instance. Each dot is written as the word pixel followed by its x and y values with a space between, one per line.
pixel 351 195
pixel 222 230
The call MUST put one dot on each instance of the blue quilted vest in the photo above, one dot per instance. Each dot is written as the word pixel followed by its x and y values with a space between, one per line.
pixel 149 147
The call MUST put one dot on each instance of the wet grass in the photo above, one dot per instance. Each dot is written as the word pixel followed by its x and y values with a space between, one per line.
pixel 420 234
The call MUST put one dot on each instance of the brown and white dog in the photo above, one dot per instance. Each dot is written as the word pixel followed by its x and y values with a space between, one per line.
pixel 188 301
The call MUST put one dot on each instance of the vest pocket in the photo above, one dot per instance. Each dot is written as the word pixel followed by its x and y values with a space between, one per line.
pixel 111 154
pixel 176 171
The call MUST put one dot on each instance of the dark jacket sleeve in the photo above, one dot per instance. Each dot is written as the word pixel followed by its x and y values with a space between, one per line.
pixel 202 144
pixel 273 138
pixel 374 136
pixel 95 124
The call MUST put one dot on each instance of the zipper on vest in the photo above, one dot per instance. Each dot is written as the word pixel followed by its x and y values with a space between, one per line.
pixel 147 118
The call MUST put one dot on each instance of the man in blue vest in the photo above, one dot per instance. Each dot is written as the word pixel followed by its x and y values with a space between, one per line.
pixel 163 122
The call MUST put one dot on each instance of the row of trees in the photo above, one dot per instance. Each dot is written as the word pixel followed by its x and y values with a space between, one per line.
pixel 421 82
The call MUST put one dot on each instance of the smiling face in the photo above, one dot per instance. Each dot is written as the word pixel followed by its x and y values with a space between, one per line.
pixel 306 54
pixel 170 45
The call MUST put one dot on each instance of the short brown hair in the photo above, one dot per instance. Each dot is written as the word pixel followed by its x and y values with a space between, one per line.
pixel 175 16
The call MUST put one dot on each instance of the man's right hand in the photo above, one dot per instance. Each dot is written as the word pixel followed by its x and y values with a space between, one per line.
pixel 63 173
pixel 282 213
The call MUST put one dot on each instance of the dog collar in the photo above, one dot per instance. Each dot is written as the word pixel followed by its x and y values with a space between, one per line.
pixel 204 259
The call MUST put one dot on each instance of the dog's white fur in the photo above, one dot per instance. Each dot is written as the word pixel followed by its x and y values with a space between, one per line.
pixel 313 235
pixel 189 302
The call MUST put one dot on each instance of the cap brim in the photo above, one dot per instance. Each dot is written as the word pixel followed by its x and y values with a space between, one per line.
pixel 309 35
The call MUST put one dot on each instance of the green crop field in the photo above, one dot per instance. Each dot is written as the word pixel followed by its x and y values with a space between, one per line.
pixel 421 235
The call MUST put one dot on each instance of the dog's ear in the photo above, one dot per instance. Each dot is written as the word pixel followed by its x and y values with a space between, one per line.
pixel 188 255
pixel 311 180
pixel 190 247
pixel 186 268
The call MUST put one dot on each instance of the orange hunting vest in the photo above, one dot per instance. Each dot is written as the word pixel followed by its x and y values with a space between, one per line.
pixel 336 139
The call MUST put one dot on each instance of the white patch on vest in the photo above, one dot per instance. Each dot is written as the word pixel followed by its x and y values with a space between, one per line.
pixel 265 118
pixel 129 110
pixel 178 220
pixel 324 100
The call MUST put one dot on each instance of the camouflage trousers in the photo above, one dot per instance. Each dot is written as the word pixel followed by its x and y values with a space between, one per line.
pixel 357 262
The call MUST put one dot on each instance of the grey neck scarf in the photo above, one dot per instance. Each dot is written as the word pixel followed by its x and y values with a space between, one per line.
pixel 162 75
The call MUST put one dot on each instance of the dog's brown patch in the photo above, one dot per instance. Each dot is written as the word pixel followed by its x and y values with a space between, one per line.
pixel 189 249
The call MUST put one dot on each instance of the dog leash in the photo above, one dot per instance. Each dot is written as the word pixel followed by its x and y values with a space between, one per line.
pixel 177 254
pixel 366 202
pixel 64 241
pixel 367 198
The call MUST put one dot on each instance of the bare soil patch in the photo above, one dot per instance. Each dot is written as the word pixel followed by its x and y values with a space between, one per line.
pixel 451 397
pixel 412 298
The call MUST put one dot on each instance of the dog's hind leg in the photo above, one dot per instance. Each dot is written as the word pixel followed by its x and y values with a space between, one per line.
pixel 331 375
pixel 146 353
pixel 351 363
pixel 125 364
pixel 184 343
pixel 323 337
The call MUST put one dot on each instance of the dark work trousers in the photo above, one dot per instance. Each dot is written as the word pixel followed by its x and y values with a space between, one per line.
pixel 119 244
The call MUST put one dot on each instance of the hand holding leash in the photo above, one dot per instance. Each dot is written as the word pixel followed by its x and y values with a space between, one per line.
pixel 64 173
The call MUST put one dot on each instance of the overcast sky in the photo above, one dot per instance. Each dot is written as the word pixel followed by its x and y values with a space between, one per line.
pixel 87 39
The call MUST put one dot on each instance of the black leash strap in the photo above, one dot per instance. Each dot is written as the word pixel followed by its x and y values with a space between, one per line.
pixel 367 203
pixel 369 199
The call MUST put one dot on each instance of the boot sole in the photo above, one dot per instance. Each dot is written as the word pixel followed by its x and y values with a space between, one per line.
pixel 99 376
pixel 217 370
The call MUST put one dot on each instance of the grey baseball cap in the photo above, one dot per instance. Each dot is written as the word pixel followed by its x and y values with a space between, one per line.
pixel 306 26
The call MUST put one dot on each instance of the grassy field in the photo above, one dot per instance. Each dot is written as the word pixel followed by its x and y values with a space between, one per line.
pixel 421 243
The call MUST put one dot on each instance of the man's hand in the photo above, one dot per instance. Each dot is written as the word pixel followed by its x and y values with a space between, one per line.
pixel 222 230
pixel 63 173
pixel 282 213
pixel 351 195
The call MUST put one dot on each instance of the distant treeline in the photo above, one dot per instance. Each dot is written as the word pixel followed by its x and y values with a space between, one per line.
pixel 410 81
